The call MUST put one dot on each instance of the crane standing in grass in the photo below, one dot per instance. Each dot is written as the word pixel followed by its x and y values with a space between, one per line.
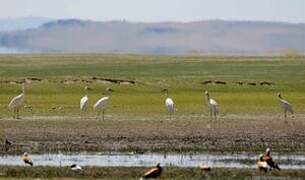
pixel 285 105
pixel 169 104
pixel 212 105
pixel 84 102
pixel 101 104
pixel 17 102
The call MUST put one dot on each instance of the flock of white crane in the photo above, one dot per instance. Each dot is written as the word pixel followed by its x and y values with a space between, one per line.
pixel 17 101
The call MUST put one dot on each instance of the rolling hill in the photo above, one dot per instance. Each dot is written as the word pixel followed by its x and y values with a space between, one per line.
pixel 228 37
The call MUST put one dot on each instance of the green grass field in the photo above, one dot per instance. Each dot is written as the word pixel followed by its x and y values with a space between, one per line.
pixel 136 172
pixel 181 75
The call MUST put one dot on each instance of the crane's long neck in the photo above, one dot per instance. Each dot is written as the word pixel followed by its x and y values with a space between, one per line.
pixel 208 98
pixel 109 93
pixel 279 97
pixel 23 89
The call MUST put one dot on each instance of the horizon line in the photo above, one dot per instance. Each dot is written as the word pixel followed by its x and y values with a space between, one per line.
pixel 166 21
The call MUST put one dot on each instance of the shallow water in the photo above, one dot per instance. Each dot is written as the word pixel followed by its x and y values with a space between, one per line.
pixel 144 160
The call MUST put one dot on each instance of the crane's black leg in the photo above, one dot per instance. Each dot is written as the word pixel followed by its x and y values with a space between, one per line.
pixel 17 116
pixel 98 114
pixel 14 113
pixel 103 114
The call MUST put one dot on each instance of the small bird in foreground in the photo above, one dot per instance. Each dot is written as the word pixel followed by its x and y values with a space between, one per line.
pixel 268 159
pixel 75 167
pixel 205 168
pixel 262 164
pixel 153 173
pixel 27 159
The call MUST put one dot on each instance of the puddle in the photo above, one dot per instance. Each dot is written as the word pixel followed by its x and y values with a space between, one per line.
pixel 144 160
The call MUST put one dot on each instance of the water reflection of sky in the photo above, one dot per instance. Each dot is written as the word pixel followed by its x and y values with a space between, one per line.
pixel 144 160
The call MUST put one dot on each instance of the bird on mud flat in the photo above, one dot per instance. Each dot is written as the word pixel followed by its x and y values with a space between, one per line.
pixel 268 159
pixel 285 105
pixel 212 105
pixel 16 103
pixel 27 159
pixel 205 168
pixel 153 173
pixel 169 104
pixel 75 167
pixel 101 104
pixel 261 164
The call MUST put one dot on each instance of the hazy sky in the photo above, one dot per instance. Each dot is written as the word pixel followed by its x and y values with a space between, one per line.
pixel 158 10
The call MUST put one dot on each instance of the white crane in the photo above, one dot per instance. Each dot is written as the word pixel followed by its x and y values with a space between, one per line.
pixel 101 104
pixel 212 105
pixel 169 104
pixel 84 102
pixel 16 103
pixel 285 105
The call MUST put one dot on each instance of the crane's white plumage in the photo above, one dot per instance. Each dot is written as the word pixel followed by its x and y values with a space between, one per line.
pixel 16 102
pixel 285 105
pixel 101 104
pixel 169 104
pixel 212 105
pixel 84 103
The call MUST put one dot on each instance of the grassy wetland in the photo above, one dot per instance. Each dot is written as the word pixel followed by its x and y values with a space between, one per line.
pixel 136 119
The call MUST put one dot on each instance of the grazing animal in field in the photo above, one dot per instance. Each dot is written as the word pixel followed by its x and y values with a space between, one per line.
pixel 27 159
pixel 154 172
pixel 261 164
pixel 169 104
pixel 205 168
pixel 285 105
pixel 212 105
pixel 16 103
pixel 75 167
pixel 101 104
pixel 268 159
